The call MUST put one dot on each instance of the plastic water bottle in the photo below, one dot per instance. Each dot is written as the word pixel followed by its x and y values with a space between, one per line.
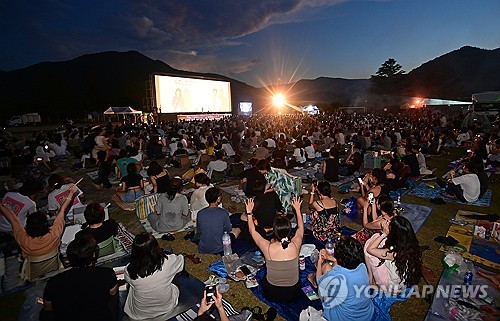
pixel 329 247
pixel 226 242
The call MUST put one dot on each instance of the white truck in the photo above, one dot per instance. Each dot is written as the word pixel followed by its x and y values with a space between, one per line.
pixel 485 109
pixel 32 118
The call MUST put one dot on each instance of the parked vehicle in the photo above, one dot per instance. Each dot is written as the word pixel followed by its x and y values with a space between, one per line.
pixel 32 118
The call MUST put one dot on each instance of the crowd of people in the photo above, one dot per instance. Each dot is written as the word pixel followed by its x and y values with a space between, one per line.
pixel 261 152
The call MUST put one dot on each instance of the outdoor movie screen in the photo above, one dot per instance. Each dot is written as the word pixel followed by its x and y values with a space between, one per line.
pixel 192 95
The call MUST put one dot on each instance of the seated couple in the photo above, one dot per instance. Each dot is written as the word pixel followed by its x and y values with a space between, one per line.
pixel 151 293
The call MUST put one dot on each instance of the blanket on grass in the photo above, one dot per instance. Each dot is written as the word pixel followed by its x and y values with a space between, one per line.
pixel 425 190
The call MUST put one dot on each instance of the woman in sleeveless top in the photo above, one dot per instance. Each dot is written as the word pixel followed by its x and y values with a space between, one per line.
pixel 324 219
pixel 159 177
pixel 282 282
pixel 377 181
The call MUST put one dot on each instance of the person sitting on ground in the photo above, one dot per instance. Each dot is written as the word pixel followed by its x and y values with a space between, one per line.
pixel 249 177
pixel 398 173
pixel 282 282
pixel 131 185
pixel 21 203
pixel 375 185
pixel 346 265
pixel 411 160
pixel 227 148
pixel 466 187
pixel 324 220
pixel 353 161
pixel 103 171
pixel 150 272
pixel 310 152
pixel 330 166
pixel 373 223
pixel 172 210
pixel 267 207
pixel 280 181
pixel 236 168
pixel 198 201
pixel 262 152
pixel 279 155
pixel 394 257
pixel 482 176
pixel 159 177
pixel 122 162
pixel 212 222
pixel 38 239
pixel 218 164
pixel 95 224
pixel 179 152
pixel 61 186
pixel 299 155
pixel 94 289
pixel 422 164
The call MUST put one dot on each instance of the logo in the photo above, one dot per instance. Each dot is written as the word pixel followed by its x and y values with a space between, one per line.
pixel 333 290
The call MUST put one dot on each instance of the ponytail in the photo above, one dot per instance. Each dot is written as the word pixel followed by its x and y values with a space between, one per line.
pixel 284 243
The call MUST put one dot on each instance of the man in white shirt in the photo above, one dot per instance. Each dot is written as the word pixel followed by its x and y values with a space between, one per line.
pixel 271 143
pixel 217 165
pixel 20 203
pixel 466 187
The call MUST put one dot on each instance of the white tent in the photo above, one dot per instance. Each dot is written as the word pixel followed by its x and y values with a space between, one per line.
pixel 122 111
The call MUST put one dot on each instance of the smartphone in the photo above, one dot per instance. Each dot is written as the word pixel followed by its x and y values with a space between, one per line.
pixel 39 159
pixel 469 150
pixel 210 293
pixel 245 270
pixel 370 197
pixel 360 181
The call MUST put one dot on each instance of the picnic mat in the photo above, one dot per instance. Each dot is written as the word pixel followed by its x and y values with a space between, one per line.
pixel 123 205
pixel 191 225
pixel 290 311
pixel 112 178
pixel 124 246
pixel 192 313
pixel 477 249
pixel 425 191
pixel 416 214
pixel 232 190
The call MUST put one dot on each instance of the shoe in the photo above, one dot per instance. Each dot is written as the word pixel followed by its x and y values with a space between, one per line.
pixel 189 235
pixel 270 314
pixel 168 237
pixel 448 240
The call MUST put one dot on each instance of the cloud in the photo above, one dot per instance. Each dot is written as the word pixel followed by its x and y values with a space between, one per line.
pixel 178 32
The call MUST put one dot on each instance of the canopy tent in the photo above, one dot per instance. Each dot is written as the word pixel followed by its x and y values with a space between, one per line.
pixel 122 111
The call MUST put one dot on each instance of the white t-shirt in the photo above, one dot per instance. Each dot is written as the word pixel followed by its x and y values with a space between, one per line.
pixel 271 143
pixel 300 155
pixel 198 201
pixel 228 149
pixel 341 139
pixel 216 165
pixel 310 152
pixel 154 296
pixel 20 205
pixel 59 150
pixel 57 197
pixel 470 185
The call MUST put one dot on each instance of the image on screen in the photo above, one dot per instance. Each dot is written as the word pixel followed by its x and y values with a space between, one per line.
pixel 245 108
pixel 191 95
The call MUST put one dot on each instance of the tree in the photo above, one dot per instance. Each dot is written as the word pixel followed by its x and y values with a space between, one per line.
pixel 388 78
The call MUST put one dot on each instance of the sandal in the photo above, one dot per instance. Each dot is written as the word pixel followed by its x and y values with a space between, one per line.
pixel 192 258
pixel 257 313
pixel 270 315
pixel 189 235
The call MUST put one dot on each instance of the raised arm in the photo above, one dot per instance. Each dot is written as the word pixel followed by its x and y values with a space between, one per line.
pixel 258 239
pixel 299 234
pixel 67 202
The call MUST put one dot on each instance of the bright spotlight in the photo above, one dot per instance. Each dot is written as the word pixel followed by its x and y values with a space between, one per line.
pixel 279 100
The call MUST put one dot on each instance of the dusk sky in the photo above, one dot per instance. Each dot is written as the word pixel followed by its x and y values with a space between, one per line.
pixel 268 40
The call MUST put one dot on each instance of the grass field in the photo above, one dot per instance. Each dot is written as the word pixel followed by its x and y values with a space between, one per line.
pixel 238 295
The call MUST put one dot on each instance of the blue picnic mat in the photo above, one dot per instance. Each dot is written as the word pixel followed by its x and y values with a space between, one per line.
pixel 424 191
pixel 416 214
pixel 290 311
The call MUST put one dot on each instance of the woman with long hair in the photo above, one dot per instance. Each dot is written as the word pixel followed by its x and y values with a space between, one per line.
pixel 150 273
pixel 281 283
pixel 394 258
pixel 324 218
pixel 375 184
pixel 159 177
pixel 172 210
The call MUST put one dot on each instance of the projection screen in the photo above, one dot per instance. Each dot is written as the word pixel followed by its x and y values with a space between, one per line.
pixel 192 95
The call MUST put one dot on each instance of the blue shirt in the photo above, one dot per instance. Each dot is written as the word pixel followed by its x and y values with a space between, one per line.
pixel 344 294
pixel 211 224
